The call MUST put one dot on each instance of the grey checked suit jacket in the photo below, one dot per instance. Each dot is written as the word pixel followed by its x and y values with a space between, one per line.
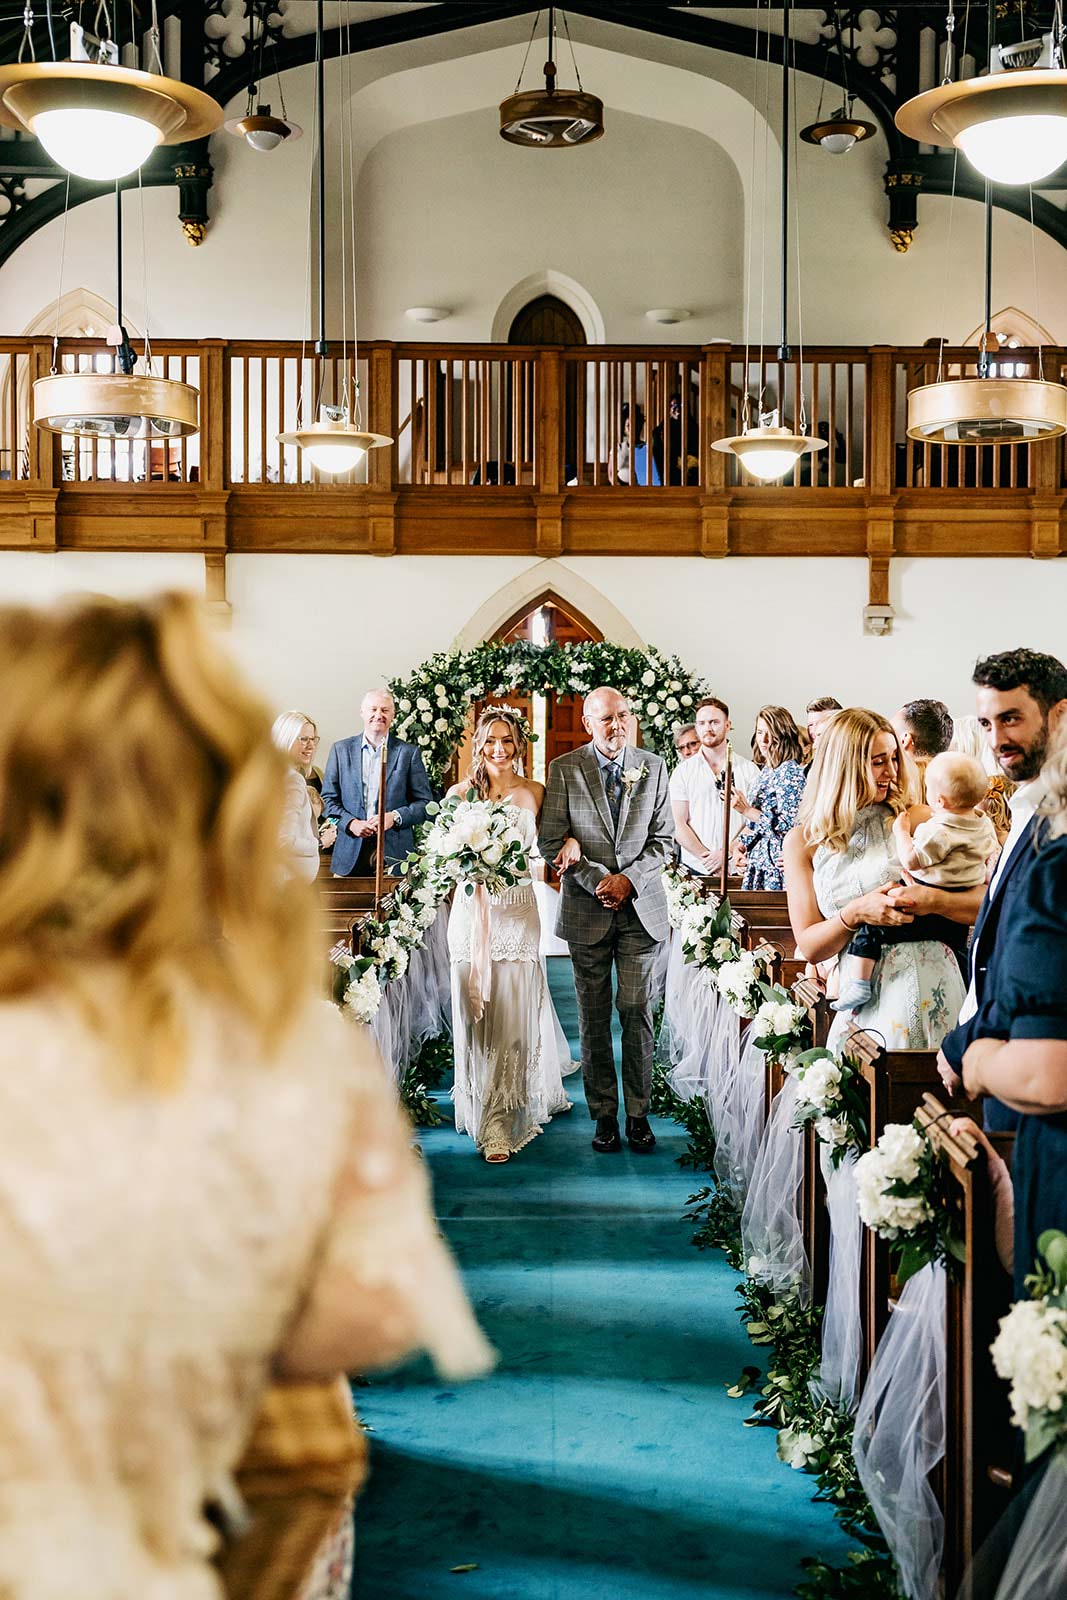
pixel 644 841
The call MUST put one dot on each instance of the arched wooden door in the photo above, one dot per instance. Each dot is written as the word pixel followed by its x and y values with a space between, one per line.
pixel 548 321
pixel 557 719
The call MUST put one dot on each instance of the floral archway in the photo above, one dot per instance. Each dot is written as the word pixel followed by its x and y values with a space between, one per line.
pixel 433 702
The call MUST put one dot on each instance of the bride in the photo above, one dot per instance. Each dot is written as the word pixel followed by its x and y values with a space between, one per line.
pixel 511 1052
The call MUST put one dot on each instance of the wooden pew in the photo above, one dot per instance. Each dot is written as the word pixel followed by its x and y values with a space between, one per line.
pixel 897 1082
pixel 345 901
pixel 973 1482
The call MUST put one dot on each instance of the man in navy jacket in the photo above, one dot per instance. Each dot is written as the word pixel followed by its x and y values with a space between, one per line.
pixel 350 791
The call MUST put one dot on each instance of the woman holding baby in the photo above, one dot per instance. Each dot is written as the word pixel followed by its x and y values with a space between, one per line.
pixel 859 828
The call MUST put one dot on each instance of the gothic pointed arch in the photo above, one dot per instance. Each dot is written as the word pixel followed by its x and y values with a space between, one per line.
pixel 555 582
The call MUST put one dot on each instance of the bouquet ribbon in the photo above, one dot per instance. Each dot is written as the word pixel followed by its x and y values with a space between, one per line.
pixel 479 983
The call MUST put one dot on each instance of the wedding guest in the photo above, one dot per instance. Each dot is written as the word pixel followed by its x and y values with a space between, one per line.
pixel 946 843
pixel 772 811
pixel 679 463
pixel 686 741
pixel 969 740
pixel 1022 703
pixel 294 735
pixel 206 1180
pixel 924 728
pixel 631 456
pixel 696 789
pixel 1017 1049
pixel 818 713
pixel 841 866
pixel 350 791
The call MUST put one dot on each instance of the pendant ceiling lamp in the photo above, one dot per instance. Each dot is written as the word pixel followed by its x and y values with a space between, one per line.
pixel 259 127
pixel 96 119
pixel 769 450
pixel 551 118
pixel 123 404
pixel 333 441
pixel 839 134
pixel 988 409
pixel 1012 124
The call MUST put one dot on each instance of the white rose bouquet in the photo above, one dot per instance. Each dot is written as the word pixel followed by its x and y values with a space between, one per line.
pixel 473 841
pixel 356 988
pixel 741 982
pixel 780 1027
pixel 902 1198
pixel 1031 1350
pixel 832 1098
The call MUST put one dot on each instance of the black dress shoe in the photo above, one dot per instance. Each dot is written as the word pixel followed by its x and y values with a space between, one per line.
pixel 639 1135
pixel 606 1139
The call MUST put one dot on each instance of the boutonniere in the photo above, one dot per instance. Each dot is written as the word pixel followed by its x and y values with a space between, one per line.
pixel 633 775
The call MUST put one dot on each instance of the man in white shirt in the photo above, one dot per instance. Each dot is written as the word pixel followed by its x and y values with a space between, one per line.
pixel 697 790
pixel 1022 696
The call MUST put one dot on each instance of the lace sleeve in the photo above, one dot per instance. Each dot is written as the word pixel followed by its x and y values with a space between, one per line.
pixel 385 1285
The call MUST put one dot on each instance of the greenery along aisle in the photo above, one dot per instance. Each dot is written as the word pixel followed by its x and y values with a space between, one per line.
pixel 433 702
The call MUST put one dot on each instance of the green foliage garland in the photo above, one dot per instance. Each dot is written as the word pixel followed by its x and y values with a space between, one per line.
pixel 432 703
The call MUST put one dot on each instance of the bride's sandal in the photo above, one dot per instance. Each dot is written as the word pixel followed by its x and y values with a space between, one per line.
pixel 497 1153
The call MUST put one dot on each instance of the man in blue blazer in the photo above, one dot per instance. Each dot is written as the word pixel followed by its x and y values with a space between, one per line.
pixel 350 791
pixel 1022 699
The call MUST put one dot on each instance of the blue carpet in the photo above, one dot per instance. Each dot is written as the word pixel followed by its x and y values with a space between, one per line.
pixel 603 1457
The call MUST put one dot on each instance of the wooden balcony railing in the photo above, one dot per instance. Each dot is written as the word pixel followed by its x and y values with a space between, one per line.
pixel 498 448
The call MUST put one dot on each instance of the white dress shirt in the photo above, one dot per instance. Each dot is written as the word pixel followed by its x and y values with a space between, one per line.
pixel 1022 805
pixel 372 771
pixel 694 782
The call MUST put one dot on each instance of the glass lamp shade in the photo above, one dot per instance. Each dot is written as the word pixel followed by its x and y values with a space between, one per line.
pixel 1011 126
pixel 768 453
pixel 1016 149
pixel 95 144
pixel 334 444
pixel 102 122
pixel 263 131
pixel 838 134
pixel 837 144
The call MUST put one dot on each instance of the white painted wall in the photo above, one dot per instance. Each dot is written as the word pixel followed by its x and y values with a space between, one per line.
pixel 313 632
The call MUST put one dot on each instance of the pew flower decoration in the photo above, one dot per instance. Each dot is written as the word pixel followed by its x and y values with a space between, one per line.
pixel 356 986
pixel 706 939
pixel 388 945
pixel 682 891
pixel 1031 1350
pixel 741 982
pixel 473 841
pixel 831 1097
pixel 780 1027
pixel 902 1197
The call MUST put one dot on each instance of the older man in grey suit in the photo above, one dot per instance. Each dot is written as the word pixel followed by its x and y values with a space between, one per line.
pixel 613 799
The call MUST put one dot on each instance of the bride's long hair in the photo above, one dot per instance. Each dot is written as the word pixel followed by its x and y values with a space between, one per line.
pixel 839 783
pixel 478 777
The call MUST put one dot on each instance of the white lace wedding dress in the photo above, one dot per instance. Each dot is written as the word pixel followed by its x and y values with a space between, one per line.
pixel 510 1063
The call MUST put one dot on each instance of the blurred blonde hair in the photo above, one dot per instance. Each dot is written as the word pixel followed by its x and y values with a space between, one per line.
pixel 141 802
pixel 479 773
pixel 969 739
pixel 839 783
pixel 1054 779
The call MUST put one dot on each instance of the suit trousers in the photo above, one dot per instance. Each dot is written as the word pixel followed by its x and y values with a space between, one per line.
pixel 633 954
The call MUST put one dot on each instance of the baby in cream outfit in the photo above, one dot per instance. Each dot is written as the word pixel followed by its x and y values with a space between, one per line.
pixel 945 844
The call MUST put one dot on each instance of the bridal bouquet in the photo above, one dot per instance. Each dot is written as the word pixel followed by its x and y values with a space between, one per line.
pixel 473 841
pixel 1031 1351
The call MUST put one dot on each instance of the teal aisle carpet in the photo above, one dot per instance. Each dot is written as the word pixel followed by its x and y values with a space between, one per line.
pixel 603 1457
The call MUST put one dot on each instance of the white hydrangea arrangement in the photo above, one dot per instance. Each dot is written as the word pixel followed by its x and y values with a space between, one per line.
pixel 1030 1350
pixel 356 988
pixel 682 891
pixel 902 1198
pixel 473 841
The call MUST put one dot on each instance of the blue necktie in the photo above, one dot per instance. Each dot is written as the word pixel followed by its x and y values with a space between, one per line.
pixel 613 786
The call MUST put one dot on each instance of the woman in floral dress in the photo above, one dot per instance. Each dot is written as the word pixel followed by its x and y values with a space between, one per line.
pixel 772 811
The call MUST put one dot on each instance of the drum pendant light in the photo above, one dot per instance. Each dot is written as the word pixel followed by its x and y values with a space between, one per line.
pixel 551 118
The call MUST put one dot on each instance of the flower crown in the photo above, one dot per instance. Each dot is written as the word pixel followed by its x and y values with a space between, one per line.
pixel 517 716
